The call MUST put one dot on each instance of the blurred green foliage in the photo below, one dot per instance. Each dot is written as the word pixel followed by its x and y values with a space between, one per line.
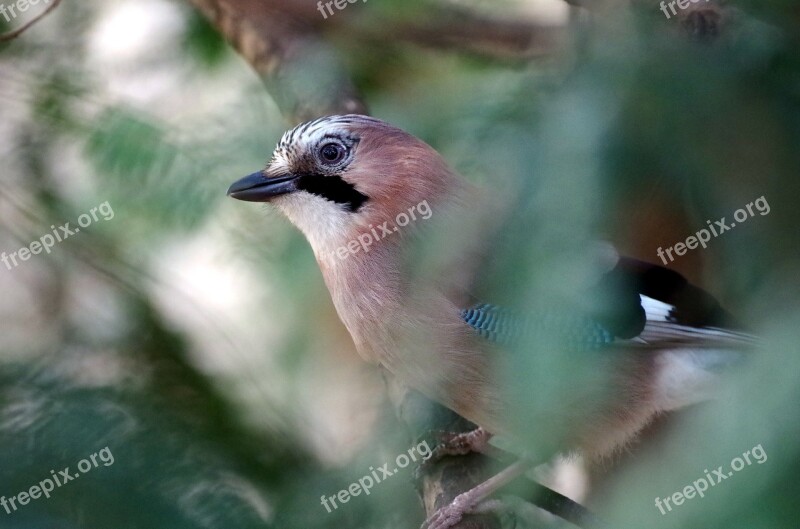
pixel 203 42
pixel 637 135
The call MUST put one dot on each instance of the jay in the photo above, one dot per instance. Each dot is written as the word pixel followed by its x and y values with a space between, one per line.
pixel 338 177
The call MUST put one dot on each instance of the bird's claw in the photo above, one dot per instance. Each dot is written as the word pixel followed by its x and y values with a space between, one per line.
pixel 455 444
pixel 451 514
pixel 475 500
pixel 459 444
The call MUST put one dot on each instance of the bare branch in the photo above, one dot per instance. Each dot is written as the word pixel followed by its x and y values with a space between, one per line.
pixel 462 30
pixel 302 74
pixel 442 481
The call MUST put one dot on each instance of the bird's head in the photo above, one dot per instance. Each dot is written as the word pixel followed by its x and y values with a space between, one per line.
pixel 338 176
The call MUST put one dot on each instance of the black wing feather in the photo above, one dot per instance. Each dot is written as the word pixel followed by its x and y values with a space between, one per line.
pixel 615 310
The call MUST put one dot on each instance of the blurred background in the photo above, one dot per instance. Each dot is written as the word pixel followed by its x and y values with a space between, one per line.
pixel 192 335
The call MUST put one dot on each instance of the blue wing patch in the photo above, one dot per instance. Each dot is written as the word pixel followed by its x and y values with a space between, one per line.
pixel 506 327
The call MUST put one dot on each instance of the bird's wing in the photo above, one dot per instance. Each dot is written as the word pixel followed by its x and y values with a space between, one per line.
pixel 505 327
pixel 640 304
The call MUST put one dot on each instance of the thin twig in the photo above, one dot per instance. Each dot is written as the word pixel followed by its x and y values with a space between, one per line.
pixel 11 35
pixel 564 507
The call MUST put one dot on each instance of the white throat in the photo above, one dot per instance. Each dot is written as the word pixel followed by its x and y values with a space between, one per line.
pixel 324 223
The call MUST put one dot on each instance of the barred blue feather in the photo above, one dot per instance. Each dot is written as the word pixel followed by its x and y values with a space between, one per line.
pixel 506 327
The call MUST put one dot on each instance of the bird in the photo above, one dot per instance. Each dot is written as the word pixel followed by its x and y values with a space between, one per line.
pixel 348 180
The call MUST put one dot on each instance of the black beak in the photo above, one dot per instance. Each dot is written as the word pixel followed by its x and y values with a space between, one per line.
pixel 259 188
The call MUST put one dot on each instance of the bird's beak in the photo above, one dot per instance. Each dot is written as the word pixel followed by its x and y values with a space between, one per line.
pixel 258 188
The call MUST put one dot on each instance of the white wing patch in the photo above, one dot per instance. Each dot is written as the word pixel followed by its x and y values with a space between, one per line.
pixel 661 328
pixel 689 359
pixel 655 310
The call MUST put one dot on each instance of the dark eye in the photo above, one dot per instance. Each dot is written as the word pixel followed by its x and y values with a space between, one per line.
pixel 331 153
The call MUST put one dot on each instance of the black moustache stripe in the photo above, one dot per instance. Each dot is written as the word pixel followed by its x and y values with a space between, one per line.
pixel 333 188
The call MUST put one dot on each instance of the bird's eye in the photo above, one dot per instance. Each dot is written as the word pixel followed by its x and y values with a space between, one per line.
pixel 331 153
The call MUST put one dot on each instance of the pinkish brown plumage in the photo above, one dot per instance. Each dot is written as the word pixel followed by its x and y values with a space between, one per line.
pixel 338 177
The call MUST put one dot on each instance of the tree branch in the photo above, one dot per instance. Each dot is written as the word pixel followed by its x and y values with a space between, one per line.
pixel 439 483
pixel 463 31
pixel 302 74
